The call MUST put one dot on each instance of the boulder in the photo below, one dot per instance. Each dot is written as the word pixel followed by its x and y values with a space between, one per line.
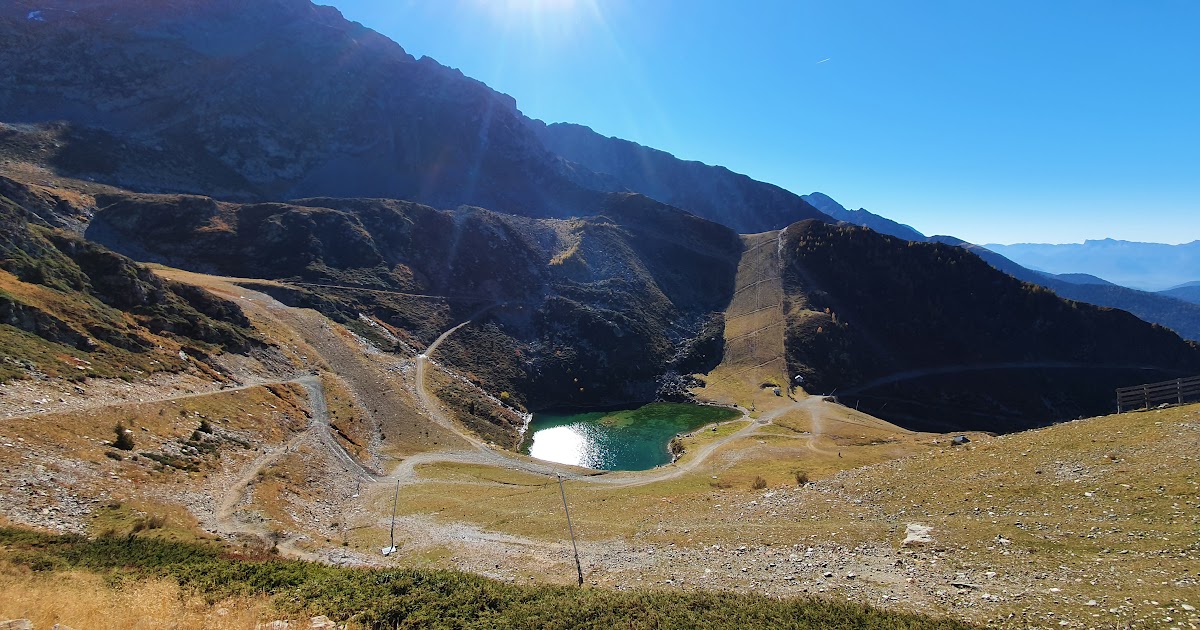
pixel 917 535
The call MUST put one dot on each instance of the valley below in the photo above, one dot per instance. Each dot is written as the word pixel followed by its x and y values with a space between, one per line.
pixel 1083 524
pixel 298 329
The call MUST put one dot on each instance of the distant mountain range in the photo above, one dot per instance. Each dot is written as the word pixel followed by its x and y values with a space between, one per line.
pixel 1189 292
pixel 1144 266
pixel 1177 309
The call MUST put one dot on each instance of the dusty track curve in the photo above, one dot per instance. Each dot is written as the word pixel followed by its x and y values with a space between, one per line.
pixel 225 515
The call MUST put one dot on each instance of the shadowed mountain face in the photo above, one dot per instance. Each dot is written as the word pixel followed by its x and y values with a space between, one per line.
pixel 712 192
pixel 1159 308
pixel 567 312
pixel 267 100
pixel 931 336
pixel 1166 308
pixel 283 99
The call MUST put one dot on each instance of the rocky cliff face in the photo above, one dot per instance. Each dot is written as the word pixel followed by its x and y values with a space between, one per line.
pixel 72 308
pixel 281 99
pixel 570 312
pixel 713 192
pixel 271 100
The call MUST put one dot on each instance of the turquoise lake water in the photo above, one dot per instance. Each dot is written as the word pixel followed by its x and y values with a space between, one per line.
pixel 627 439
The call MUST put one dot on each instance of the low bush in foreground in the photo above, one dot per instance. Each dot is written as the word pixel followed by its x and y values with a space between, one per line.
pixel 431 599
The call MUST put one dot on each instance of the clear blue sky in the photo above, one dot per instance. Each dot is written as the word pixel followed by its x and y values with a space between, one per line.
pixel 1002 122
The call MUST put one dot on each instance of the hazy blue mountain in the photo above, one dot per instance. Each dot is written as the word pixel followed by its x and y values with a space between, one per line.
pixel 1189 292
pixel 1147 266
pixel 1078 278
pixel 862 217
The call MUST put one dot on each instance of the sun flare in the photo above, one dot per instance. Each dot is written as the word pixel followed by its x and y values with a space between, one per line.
pixel 543 19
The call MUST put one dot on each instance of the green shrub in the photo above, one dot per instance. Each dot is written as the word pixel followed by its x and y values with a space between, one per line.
pixel 420 598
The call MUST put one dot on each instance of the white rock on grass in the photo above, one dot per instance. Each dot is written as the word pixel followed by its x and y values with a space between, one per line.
pixel 916 535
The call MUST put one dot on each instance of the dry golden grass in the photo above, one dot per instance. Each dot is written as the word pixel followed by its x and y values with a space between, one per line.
pixel 253 304
pixel 87 601
pixel 73 448
pixel 529 506
pixel 1104 509
pixel 69 362
pixel 348 421
pixel 269 413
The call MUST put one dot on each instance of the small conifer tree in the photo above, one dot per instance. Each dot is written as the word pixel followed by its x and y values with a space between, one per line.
pixel 124 439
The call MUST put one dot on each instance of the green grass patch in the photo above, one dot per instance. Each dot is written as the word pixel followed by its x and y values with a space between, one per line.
pixel 684 414
pixel 431 598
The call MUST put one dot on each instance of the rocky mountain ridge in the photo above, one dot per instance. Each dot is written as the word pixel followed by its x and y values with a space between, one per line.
pixel 171 97
pixel 1175 311
pixel 931 337
pixel 714 192
pixel 572 312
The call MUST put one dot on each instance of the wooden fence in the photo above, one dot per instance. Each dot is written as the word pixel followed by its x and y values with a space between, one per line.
pixel 1178 391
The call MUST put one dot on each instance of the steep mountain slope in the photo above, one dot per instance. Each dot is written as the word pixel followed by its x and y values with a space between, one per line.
pixel 567 312
pixel 1165 310
pixel 1080 278
pixel 72 309
pixel 291 100
pixel 1159 308
pixel 1146 266
pixel 712 192
pixel 276 100
pixel 862 217
pixel 929 336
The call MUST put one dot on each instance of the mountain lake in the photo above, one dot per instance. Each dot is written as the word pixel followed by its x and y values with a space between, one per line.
pixel 623 439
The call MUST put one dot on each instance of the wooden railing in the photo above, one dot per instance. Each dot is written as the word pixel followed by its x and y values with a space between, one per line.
pixel 1177 392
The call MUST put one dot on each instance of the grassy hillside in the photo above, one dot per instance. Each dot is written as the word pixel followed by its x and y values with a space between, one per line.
pixel 422 599
pixel 565 312
pixel 73 309
pixel 934 337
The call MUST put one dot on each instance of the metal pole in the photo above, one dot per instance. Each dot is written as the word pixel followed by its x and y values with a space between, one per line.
pixel 395 502
pixel 578 567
